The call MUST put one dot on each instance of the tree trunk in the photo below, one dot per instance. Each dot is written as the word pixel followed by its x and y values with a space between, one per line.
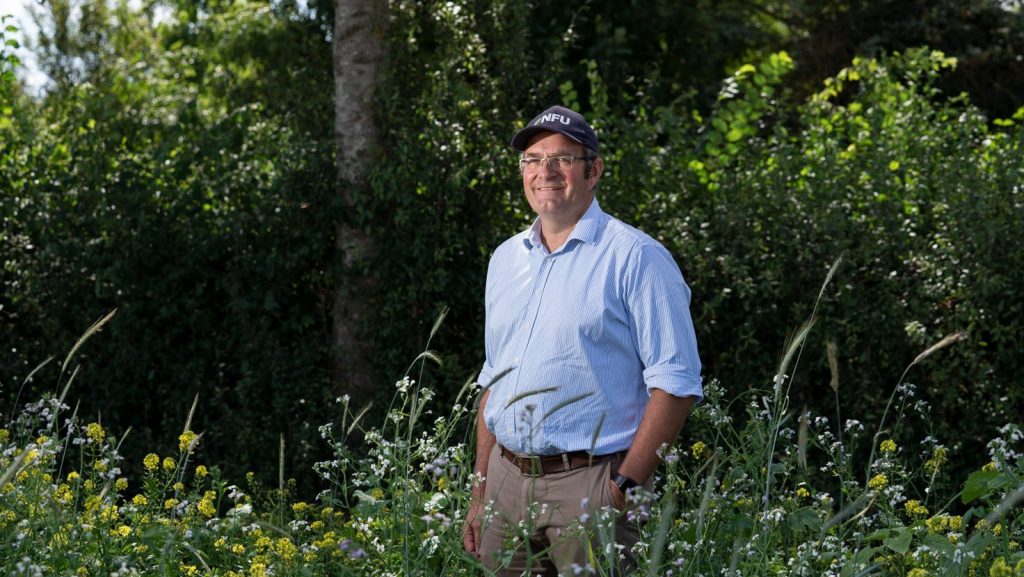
pixel 359 54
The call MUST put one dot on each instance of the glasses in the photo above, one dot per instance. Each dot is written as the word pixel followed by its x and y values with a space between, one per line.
pixel 561 163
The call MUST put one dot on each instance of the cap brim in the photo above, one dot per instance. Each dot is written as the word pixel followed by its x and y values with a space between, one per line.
pixel 522 138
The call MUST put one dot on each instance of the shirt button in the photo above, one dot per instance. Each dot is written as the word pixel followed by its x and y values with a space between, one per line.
pixel 537 292
pixel 517 360
pixel 528 326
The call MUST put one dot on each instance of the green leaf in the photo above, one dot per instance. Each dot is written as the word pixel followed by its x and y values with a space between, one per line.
pixel 901 542
pixel 804 518
pixel 981 484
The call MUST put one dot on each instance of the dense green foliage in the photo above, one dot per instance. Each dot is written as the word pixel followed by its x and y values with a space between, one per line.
pixel 185 178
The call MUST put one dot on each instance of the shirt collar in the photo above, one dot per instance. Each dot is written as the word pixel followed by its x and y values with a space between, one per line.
pixel 586 229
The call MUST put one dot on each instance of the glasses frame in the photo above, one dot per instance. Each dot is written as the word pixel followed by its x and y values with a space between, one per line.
pixel 547 160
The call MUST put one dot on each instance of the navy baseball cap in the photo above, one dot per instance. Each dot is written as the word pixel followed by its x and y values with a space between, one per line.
pixel 558 119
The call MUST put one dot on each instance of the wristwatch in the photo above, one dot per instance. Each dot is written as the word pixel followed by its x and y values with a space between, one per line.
pixel 624 483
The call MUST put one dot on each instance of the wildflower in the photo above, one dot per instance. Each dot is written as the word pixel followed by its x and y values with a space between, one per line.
pixel 956 522
pixel 121 484
pixel 238 549
pixel 1000 568
pixel 179 486
pixel 300 508
pixel 698 450
pixel 170 504
pixel 151 462
pixel 917 572
pixel 201 471
pixel 990 466
pixel 100 466
pixel 123 531
pixel 140 500
pixel 206 506
pixel 879 481
pixel 95 433
pixel 73 476
pixel 915 508
pixel 188 570
pixel 169 464
pixel 937 523
pixel 285 548
pixel 5 435
pixel 939 457
pixel 185 441
pixel 802 492
pixel 257 569
pixel 888 446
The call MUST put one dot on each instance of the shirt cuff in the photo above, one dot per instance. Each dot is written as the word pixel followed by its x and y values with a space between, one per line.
pixel 675 380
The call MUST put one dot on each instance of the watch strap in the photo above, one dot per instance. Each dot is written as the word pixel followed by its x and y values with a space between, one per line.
pixel 623 482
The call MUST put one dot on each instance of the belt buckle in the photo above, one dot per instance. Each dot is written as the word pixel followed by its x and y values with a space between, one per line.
pixel 531 466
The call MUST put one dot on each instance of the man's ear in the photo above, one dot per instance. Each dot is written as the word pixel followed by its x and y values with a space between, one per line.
pixel 596 170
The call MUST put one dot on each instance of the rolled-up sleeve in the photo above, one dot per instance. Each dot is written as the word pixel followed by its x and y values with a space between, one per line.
pixel 658 301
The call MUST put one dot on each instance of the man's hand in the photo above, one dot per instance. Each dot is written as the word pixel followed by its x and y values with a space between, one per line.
pixel 618 498
pixel 471 527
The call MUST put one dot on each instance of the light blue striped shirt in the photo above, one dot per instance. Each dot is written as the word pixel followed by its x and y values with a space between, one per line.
pixel 575 339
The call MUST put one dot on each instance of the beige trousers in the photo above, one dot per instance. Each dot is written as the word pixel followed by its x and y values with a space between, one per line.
pixel 530 526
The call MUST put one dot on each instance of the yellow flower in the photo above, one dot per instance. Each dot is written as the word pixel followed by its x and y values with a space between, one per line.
pixel 100 466
pixel 170 504
pixel 140 500
pixel 888 446
pixel 179 486
pixel 95 432
pixel 997 529
pixel 802 492
pixel 915 509
pixel 5 435
pixel 937 523
pixel 956 522
pixel 1000 569
pixel 238 549
pixel 63 495
pixel 219 543
pixel 316 525
pixel 188 570
pixel 73 476
pixel 185 441
pixel 201 471
pixel 300 508
pixel 169 464
pixel 121 484
pixel 89 485
pixel 257 570
pixel 698 449
pixel 442 483
pixel 878 481
pixel 917 572
pixel 123 531
pixel 990 466
pixel 285 548
pixel 151 462
pixel 939 457
pixel 206 506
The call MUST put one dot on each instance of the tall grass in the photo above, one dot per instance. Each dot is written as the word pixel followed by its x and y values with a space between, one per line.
pixel 772 493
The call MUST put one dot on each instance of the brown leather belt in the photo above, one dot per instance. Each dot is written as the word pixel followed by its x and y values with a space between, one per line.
pixel 540 465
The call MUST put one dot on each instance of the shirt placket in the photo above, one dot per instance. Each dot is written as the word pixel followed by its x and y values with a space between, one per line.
pixel 542 263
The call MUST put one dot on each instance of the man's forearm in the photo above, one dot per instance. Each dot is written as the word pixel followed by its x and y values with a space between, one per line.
pixel 663 419
pixel 485 441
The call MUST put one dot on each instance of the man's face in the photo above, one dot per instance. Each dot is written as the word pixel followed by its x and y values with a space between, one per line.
pixel 561 194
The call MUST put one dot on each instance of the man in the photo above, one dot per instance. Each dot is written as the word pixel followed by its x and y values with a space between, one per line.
pixel 591 363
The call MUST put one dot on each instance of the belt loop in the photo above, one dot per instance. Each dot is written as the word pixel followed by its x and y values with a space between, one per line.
pixel 565 462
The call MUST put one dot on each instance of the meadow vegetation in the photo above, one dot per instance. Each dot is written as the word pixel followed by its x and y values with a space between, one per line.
pixel 780 493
